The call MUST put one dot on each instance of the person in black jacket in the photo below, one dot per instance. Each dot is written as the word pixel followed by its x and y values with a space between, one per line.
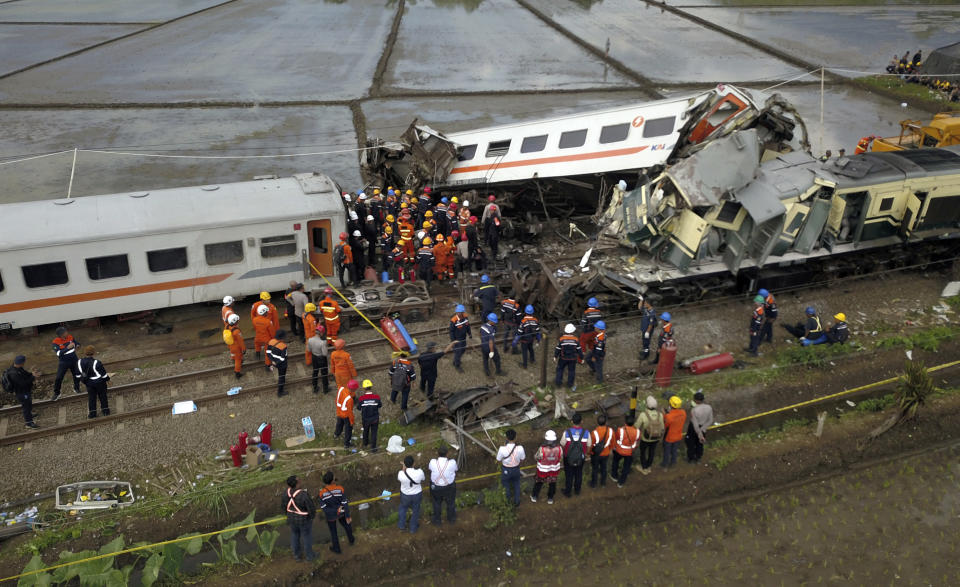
pixel 300 510
pixel 21 384
pixel 370 405
pixel 94 377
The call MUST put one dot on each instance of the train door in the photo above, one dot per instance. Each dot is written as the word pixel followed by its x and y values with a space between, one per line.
pixel 320 251
pixel 911 213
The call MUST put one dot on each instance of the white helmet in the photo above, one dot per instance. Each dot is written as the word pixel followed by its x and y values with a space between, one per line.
pixel 346 197
pixel 421 234
pixel 550 436
pixel 353 215
pixel 227 300
pixel 262 310
pixel 356 233
pixel 233 319
pixel 369 217
pixel 362 196
pixel 466 203
pixel 569 329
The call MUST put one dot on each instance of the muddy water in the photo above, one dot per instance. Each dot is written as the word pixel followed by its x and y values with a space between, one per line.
pixel 24 45
pixel 106 11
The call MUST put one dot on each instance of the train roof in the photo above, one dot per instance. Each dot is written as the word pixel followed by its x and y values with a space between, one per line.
pixel 881 167
pixel 90 218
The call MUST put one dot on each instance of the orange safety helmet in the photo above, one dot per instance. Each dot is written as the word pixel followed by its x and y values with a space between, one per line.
pixel 339 344
pixel 343 236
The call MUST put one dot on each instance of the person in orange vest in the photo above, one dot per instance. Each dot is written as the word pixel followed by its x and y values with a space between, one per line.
pixel 666 333
pixel 300 510
pixel 863 145
pixel 234 339
pixel 341 363
pixel 272 313
pixel 264 329
pixel 65 346
pixel 451 257
pixel 343 259
pixel 756 325
pixel 346 403
pixel 331 314
pixel 601 445
pixel 406 237
pixel 277 359
pixel 309 327
pixel 624 443
pixel 227 310
pixel 440 252
pixel 673 421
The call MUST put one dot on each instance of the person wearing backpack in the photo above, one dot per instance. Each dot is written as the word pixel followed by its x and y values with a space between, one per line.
pixel 651 433
pixel 18 381
pixel 401 374
pixel 576 444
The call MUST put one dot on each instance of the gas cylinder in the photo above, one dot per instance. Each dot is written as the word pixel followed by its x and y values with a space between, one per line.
pixel 711 363
pixel 243 441
pixel 370 274
pixel 396 337
pixel 668 356
pixel 266 433
pixel 237 455
pixel 406 335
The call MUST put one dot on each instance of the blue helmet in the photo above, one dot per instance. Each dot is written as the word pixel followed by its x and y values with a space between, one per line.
pixel 459 308
pixel 763 292
pixel 528 309
pixel 665 316
pixel 600 325
pixel 391 192
pixel 445 200
pixel 593 303
pixel 491 317
pixel 811 311
pixel 484 278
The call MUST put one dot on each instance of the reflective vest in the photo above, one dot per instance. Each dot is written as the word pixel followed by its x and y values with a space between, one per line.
pixel 551 459
pixel 277 351
pixel 627 437
pixel 225 313
pixel 509 309
pixel 602 448
pixel 590 317
pixel 292 507
pixel 757 319
pixel 568 347
pixel 331 309
pixel 770 307
pixel 344 403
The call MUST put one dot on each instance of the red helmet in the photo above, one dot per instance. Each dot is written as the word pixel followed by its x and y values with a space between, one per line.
pixel 491 197
pixel 473 220
pixel 427 190
pixel 343 236
pixel 328 290
pixel 352 385
pixel 452 206
pixel 321 330
pixel 455 234
pixel 463 238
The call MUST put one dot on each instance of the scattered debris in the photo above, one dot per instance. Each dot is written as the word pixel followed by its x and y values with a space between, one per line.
pixel 94 495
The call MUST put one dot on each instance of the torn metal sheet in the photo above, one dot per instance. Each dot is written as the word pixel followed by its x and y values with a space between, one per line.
pixel 725 165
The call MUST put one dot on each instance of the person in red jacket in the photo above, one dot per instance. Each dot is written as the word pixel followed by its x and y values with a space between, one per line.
pixel 549 459
pixel 673 421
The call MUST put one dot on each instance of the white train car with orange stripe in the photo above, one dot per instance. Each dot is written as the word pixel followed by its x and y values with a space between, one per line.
pixel 625 138
pixel 94 256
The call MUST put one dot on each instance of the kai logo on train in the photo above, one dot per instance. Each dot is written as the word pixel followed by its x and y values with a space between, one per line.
pixel 637 122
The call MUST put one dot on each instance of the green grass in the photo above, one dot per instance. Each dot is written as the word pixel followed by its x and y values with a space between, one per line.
pixel 929 339
pixel 902 89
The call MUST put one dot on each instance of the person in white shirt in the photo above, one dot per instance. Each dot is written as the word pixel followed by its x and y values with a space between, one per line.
pixel 411 494
pixel 510 456
pixel 443 488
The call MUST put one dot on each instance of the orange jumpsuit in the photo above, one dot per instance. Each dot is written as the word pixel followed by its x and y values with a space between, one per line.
pixel 342 366
pixel 451 257
pixel 225 313
pixel 309 328
pixel 272 313
pixel 345 401
pixel 406 233
pixel 331 316
pixel 265 330
pixel 440 252
pixel 237 349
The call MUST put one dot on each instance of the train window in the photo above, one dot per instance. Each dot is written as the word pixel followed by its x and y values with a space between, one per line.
pixel 223 253
pixel 319 241
pixel 886 204
pixel 533 144
pixel 573 138
pixel 167 259
pixel 278 246
pixel 467 153
pixel 659 127
pixel 107 267
pixel 614 133
pixel 498 148
pixel 45 274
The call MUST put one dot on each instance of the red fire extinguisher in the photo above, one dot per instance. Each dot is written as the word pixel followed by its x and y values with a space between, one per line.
pixel 668 356
pixel 266 433
pixel 236 453
pixel 243 441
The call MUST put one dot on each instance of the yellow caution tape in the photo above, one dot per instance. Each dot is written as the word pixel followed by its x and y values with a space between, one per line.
pixel 344 298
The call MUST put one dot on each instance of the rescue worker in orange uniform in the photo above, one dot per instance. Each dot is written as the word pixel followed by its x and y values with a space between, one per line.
pixel 331 314
pixel 440 252
pixel 601 445
pixel 272 313
pixel 309 326
pixel 346 403
pixel 264 329
pixel 227 310
pixel 236 344
pixel 406 237
pixel 624 443
pixel 451 257
pixel 344 260
pixel 863 145
pixel 341 363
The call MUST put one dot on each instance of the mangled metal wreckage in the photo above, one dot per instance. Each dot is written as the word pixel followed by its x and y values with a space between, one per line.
pixel 698 189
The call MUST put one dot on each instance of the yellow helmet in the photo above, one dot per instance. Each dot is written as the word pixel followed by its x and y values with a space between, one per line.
pixel 428 214
pixel 376 192
pixel 310 307
pixel 367 384
pixel 265 296
pixel 427 241
pixel 675 402
pixel 427 224
pixel 414 201
pixel 455 200
pixel 390 218
pixel 404 205
pixel 389 187
pixel 409 192
pixel 401 242
pixel 388 230
pixel 840 316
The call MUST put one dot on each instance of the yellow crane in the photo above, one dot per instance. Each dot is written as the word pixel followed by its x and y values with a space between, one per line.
pixel 943 131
